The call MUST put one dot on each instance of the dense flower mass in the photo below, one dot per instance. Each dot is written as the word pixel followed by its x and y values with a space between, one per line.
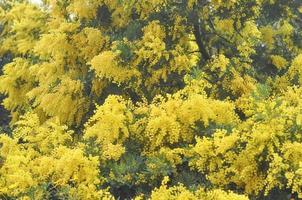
pixel 151 99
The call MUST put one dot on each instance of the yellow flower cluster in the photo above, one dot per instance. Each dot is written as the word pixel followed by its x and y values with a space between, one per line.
pixel 84 8
pixel 153 46
pixel 109 127
pixel 109 97
pixel 279 61
pixel 295 68
pixel 16 76
pixel 234 155
pixel 25 20
pixel 106 65
pixel 172 120
pixel 225 25
pixel 219 63
pixel 41 158
pixel 180 192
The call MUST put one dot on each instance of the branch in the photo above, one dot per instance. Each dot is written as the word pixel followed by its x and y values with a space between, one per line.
pixel 198 37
